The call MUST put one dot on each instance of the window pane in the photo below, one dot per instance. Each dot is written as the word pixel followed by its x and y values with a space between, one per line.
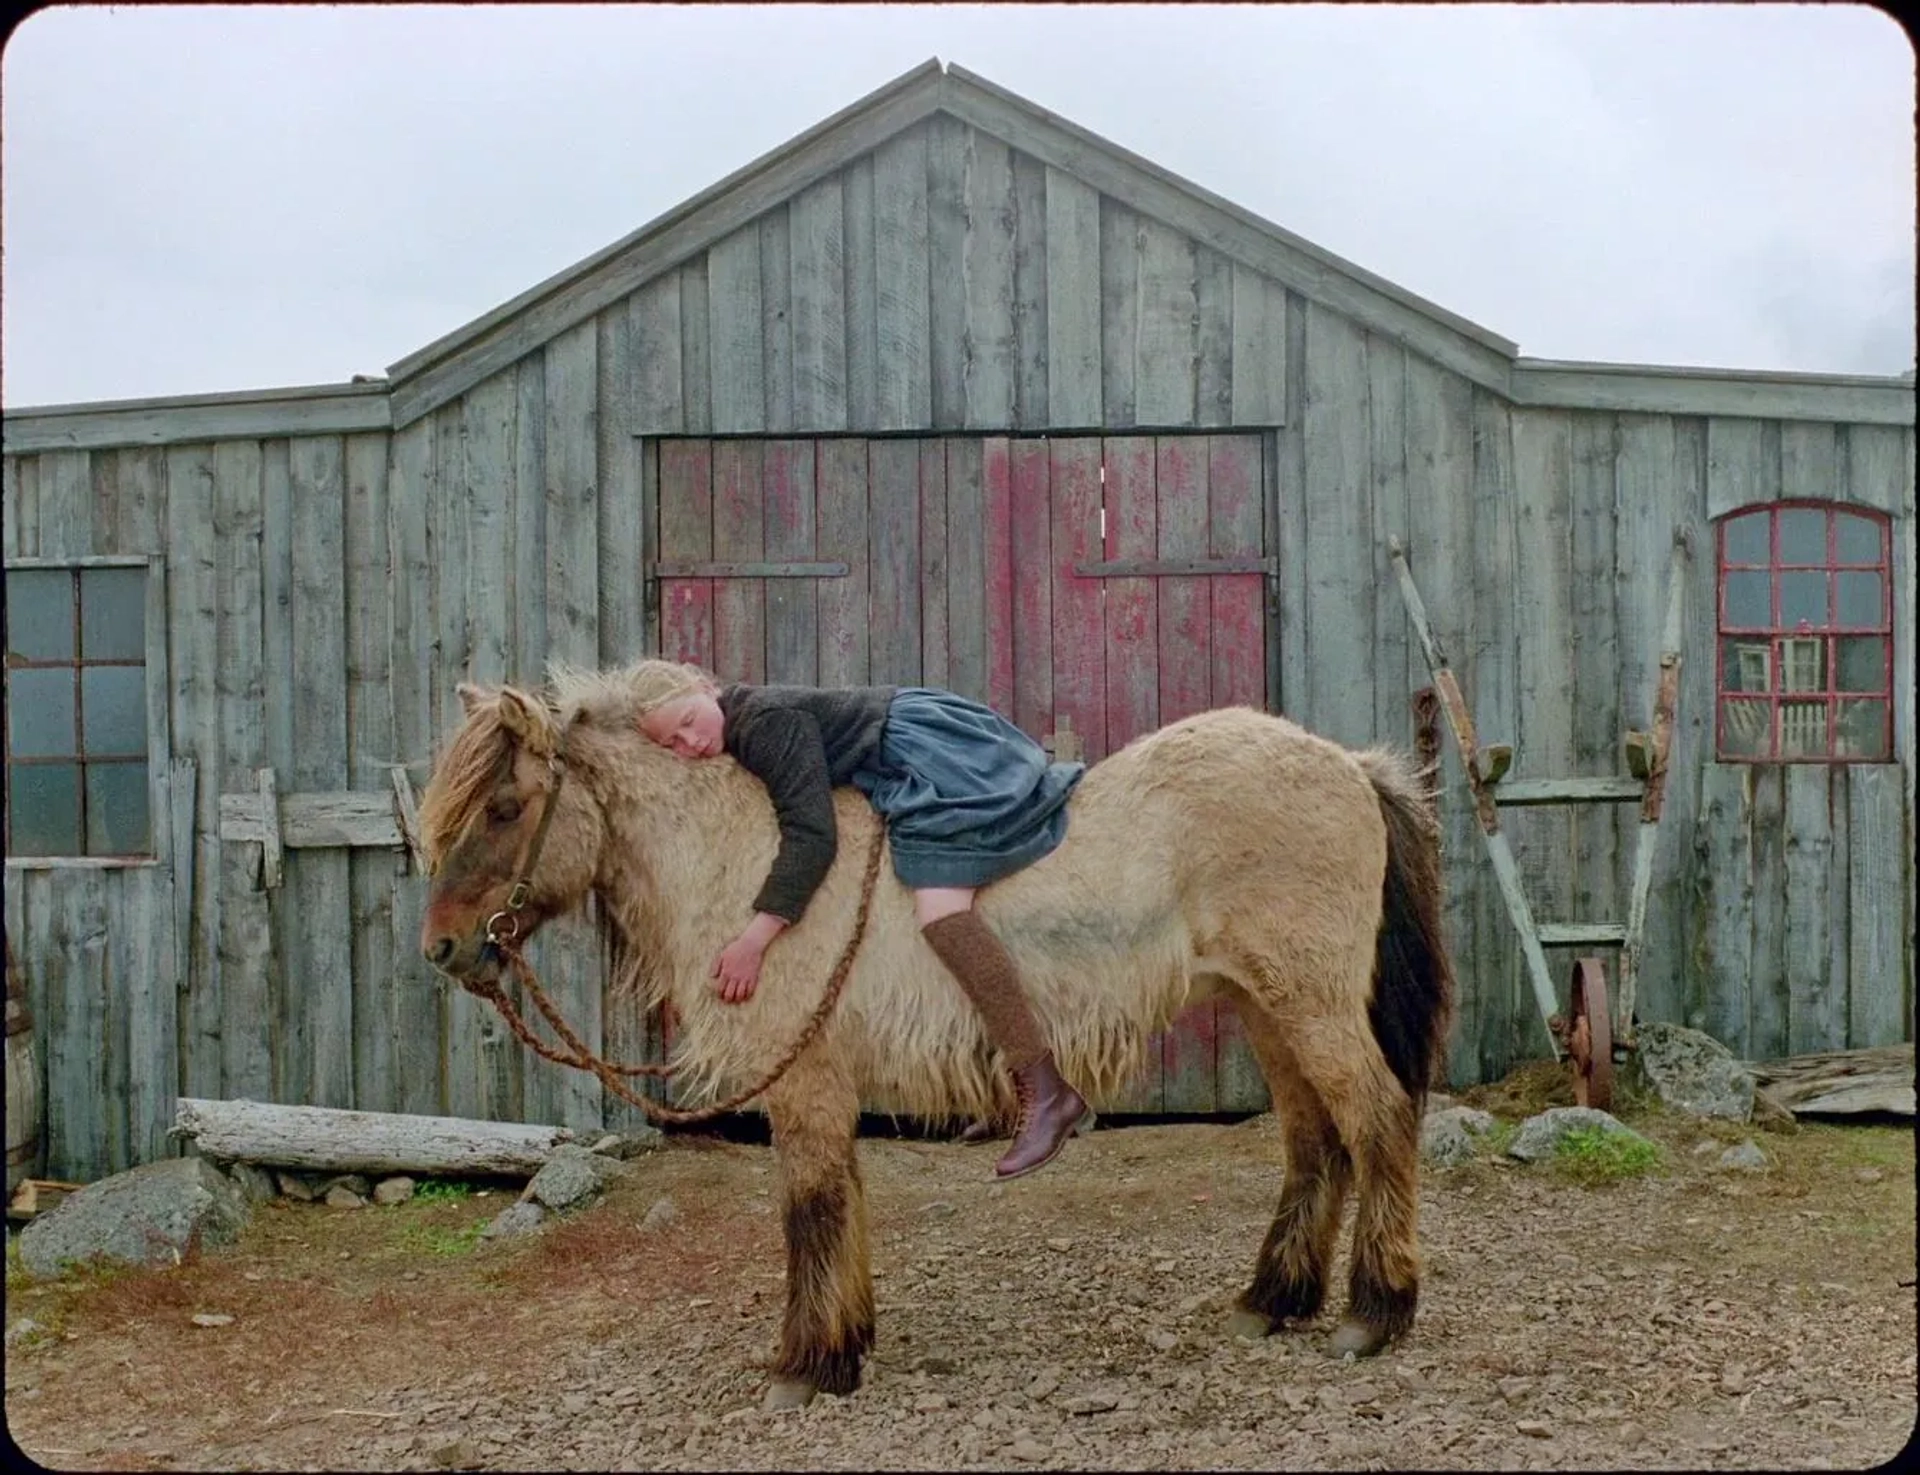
pixel 1859 599
pixel 1803 730
pixel 1863 730
pixel 40 713
pixel 1803 664
pixel 117 809
pixel 1747 601
pixel 1858 539
pixel 1747 665
pixel 40 614
pixel 113 614
pixel 1743 728
pixel 1803 535
pixel 44 817
pixel 1803 599
pixel 113 708
pixel 1746 539
pixel 1862 663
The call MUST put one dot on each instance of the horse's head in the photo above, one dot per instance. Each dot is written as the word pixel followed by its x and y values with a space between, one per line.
pixel 509 842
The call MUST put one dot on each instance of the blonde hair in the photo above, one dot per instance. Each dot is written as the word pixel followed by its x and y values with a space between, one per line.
pixel 651 684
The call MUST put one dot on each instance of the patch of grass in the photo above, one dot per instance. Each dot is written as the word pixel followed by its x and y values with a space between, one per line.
pixel 431 1239
pixel 1592 1156
pixel 442 1191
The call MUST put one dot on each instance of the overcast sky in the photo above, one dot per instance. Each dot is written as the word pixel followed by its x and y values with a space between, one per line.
pixel 216 199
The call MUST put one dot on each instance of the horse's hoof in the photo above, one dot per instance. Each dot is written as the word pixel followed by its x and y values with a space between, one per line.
pixel 1356 1338
pixel 786 1393
pixel 1249 1325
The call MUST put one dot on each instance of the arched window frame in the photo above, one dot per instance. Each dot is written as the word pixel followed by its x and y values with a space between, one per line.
pixel 1791 689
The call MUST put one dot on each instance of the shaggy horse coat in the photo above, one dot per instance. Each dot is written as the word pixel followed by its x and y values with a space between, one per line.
pixel 1230 853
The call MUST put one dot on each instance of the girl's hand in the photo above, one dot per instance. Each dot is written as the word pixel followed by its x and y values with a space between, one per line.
pixel 737 969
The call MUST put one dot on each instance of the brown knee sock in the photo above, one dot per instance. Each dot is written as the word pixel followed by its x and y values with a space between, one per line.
pixel 991 979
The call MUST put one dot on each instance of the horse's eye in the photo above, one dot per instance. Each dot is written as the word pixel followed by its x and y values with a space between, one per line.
pixel 505 809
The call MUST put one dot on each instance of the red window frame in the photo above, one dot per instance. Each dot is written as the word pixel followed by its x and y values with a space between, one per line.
pixel 1776 632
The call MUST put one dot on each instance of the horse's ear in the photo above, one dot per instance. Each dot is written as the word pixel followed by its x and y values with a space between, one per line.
pixel 529 720
pixel 473 697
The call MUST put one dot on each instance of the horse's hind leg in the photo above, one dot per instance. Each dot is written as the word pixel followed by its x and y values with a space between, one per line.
pixel 1290 1274
pixel 828 1327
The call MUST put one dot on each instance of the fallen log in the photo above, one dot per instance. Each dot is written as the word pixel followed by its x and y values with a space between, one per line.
pixel 334 1141
pixel 1841 1082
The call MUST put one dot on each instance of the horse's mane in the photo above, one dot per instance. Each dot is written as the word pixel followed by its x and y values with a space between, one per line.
pixel 603 700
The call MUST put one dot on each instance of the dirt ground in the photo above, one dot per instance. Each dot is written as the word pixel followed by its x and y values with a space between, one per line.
pixel 1694 1318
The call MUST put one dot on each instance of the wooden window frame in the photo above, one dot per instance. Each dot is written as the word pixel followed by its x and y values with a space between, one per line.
pixel 1785 701
pixel 158 756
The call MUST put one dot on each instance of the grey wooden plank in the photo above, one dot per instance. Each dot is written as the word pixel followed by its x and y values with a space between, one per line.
pixel 316 940
pixel 1816 1003
pixel 1259 360
pixel 620 538
pixel 1073 302
pixel 818 266
pixel 1213 337
pixel 103 502
pixel 1398 668
pixel 1675 929
pixel 568 949
pixel 736 356
pixel 966 570
pixel 1838 882
pixel 1643 527
pixel 1496 712
pixel 776 319
pixel 142 520
pixel 787 502
pixel 238 906
pixel 846 628
pixel 250 415
pixel 1595 654
pixel 660 406
pixel 860 290
pixel 1880 908
pixel 415 1008
pixel 989 379
pixel 948 144
pixel 489 419
pixel 447 367
pixel 1809 465
pixel 372 752
pixel 650 535
pixel 1880 473
pixel 1725 903
pixel 934 663
pixel 80 1091
pixel 1767 1000
pixel 528 550
pixel 1285 510
pixel 894 532
pixel 1340 551
pixel 737 526
pixel 1736 475
pixel 1120 244
pixel 1164 374
pixel 66 504
pixel 159 695
pixel 1842 399
pixel 195 598
pixel 903 367
pixel 1030 386
pixel 19 506
pixel 1439 427
pixel 696 352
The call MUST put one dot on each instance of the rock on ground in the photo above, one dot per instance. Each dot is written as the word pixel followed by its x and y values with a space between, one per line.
pixel 255 1182
pixel 1540 1135
pixel 151 1215
pixel 396 1190
pixel 514 1220
pixel 1745 1157
pixel 1452 1136
pixel 1691 1072
pixel 570 1177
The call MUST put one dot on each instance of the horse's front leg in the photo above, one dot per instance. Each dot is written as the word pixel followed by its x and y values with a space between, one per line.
pixel 829 1319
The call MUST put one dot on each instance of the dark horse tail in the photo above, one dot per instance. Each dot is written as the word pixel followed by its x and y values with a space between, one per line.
pixel 1412 1003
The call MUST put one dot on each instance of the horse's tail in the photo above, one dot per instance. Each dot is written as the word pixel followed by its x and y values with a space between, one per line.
pixel 1412 1001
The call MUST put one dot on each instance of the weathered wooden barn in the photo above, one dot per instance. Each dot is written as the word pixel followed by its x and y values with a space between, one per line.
pixel 944 390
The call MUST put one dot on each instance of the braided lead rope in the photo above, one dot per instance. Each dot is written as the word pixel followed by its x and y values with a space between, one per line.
pixel 610 1073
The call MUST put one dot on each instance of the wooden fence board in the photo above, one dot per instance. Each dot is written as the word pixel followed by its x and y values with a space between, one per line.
pixel 948 144
pixel 739 534
pixel 1030 533
pixel 734 333
pixel 1079 628
pixel 1030 293
pixel 1167 308
pixel 686 531
pixel 787 499
pixel 1119 313
pixel 966 569
pixel 996 528
pixel 903 370
pixel 1341 558
pixel 986 268
pixel 840 511
pixel 817 221
pixel 1073 223
pixel 776 320
pixel 862 315
pixel 893 500
pixel 1880 908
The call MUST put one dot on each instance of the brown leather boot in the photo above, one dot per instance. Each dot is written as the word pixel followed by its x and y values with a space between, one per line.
pixel 1050 1110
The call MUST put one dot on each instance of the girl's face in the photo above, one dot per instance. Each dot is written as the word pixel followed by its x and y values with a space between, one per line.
pixel 690 725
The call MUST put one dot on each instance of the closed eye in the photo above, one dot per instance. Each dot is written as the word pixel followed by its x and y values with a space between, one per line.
pixel 504 810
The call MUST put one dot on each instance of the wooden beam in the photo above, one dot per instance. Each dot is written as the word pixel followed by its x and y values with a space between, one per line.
pixel 407 813
pixel 1842 398
pixel 267 808
pixel 1517 791
pixel 328 1139
pixel 318 410
pixel 352 818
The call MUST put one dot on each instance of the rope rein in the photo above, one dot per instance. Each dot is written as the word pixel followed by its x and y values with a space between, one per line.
pixel 611 1073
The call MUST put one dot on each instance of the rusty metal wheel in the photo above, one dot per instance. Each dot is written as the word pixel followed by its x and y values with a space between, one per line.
pixel 1590 1035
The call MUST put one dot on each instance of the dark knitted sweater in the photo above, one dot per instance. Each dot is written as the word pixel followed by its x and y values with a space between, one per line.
pixel 802 742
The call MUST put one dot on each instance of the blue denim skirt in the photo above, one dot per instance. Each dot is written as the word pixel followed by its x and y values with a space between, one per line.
pixel 967 797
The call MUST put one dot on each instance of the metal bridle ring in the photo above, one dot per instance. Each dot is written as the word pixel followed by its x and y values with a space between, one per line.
pixel 493 933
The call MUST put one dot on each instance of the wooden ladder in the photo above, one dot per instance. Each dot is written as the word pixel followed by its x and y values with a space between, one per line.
pixel 1486 768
